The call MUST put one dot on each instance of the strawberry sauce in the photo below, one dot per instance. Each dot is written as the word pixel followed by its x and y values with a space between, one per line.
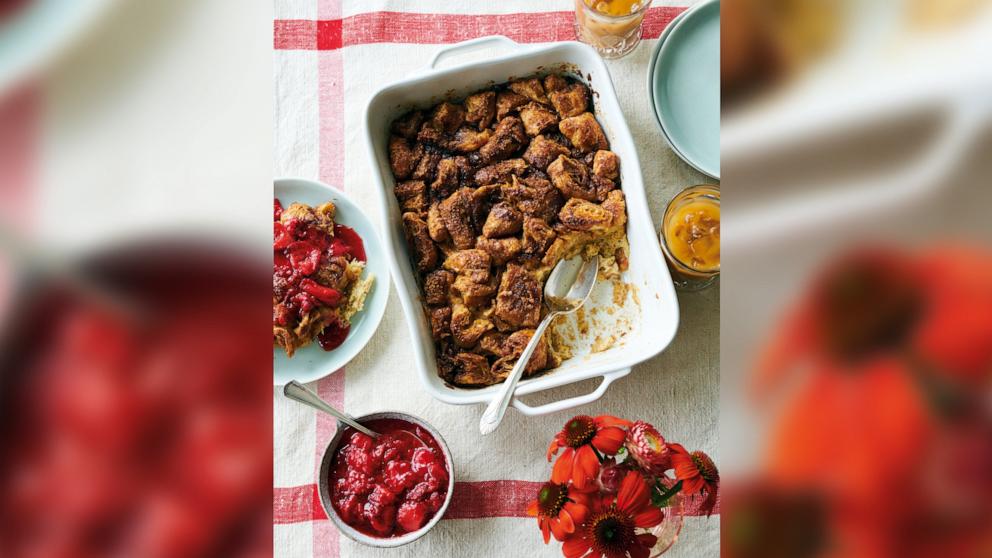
pixel 392 485
pixel 299 250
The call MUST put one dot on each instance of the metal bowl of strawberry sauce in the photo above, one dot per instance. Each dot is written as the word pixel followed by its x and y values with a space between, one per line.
pixel 391 490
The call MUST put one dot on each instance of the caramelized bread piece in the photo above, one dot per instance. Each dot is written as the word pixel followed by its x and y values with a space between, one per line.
pixel 530 88
pixel 480 109
pixel 500 172
pixel 467 261
pixel 501 250
pixel 554 82
pixel 533 196
pixel 412 196
pixel 582 215
pixel 616 204
pixel 430 133
pixel 467 140
pixel 402 158
pixel 473 282
pixel 440 322
pixel 491 343
pixel 472 370
pixel 436 286
pixel 603 187
pixel 506 140
pixel 465 328
pixel 572 178
pixel 584 132
pixel 448 117
pixel 435 225
pixel 456 214
pixel 503 220
pixel 507 102
pixel 427 166
pixel 518 302
pixel 538 235
pixel 571 100
pixel 424 251
pixel 606 164
pixel 446 181
pixel 537 118
pixel 408 124
pixel 515 345
pixel 542 151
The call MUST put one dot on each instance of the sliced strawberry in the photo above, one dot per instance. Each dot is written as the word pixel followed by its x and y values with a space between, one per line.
pixel 327 295
pixel 304 257
pixel 281 236
pixel 277 209
pixel 412 516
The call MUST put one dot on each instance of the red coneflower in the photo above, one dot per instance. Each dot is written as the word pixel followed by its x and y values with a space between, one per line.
pixel 698 474
pixel 558 512
pixel 579 437
pixel 611 530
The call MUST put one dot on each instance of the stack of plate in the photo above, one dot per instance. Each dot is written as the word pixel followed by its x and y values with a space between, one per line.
pixel 684 86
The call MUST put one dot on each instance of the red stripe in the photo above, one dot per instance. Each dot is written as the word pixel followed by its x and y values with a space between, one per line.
pixel 471 500
pixel 295 34
pixel 403 27
pixel 296 504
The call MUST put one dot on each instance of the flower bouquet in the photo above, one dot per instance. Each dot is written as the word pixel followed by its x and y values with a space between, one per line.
pixel 617 488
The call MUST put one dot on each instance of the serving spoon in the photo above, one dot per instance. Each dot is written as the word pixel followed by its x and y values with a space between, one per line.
pixel 297 392
pixel 567 289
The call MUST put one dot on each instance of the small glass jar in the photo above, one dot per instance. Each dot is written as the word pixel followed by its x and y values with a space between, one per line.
pixel 690 237
pixel 612 27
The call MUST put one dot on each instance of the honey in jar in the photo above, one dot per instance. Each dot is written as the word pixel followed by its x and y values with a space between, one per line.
pixel 690 236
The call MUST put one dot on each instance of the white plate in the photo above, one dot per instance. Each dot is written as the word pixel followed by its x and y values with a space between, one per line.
pixel 311 362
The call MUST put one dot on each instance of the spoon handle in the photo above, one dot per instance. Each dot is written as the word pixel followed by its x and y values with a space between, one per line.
pixel 297 392
pixel 494 413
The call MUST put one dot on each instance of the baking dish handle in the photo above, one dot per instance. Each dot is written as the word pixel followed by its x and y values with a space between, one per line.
pixel 468 46
pixel 556 406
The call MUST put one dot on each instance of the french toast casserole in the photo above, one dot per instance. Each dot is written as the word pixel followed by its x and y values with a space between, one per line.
pixel 495 190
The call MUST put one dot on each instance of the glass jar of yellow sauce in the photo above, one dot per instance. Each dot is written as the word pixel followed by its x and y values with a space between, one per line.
pixel 612 27
pixel 690 237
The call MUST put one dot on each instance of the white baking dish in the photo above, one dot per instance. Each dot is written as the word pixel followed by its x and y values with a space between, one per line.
pixel 658 317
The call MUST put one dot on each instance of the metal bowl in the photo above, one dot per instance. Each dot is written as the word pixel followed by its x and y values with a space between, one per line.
pixel 324 486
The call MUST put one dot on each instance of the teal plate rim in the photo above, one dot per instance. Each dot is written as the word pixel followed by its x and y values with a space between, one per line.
pixel 702 159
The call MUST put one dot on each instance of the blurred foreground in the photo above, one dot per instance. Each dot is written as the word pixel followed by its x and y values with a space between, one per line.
pixel 856 333
pixel 135 191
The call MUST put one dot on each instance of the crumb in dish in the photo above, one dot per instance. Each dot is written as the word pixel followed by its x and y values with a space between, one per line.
pixel 391 485
pixel 494 191
pixel 317 283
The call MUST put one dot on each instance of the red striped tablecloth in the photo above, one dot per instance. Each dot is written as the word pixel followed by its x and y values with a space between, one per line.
pixel 329 58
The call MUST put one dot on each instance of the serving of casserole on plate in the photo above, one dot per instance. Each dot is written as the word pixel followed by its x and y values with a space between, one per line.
pixel 491 172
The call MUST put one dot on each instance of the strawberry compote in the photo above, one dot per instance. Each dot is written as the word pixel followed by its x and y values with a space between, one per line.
pixel 391 485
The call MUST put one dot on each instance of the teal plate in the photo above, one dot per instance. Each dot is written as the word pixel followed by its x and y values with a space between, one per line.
pixel 311 362
pixel 686 87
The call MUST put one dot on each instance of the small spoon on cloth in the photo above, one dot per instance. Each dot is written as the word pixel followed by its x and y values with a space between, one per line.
pixel 295 391
pixel 568 287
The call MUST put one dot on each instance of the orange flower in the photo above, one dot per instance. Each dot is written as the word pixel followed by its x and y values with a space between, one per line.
pixel 696 470
pixel 558 512
pixel 611 529
pixel 698 474
pixel 579 462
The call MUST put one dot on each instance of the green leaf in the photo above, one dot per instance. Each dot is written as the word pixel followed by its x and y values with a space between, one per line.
pixel 661 495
